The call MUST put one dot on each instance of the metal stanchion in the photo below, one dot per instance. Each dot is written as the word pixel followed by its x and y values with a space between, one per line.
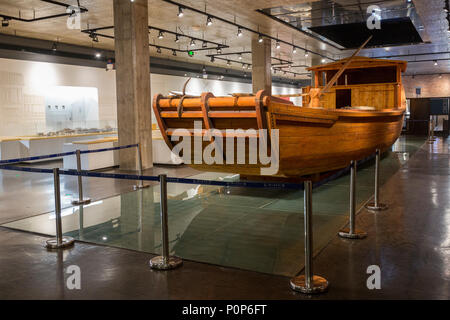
pixel 140 184
pixel 308 283
pixel 81 200
pixel 431 137
pixel 60 241
pixel 376 205
pixel 351 232
pixel 164 262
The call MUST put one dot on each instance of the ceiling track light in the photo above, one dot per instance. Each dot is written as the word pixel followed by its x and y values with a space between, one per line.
pixel 306 53
pixel 212 59
pixel 209 21
pixel 239 33
pixel 204 44
pixel 161 35
pixel 294 50
pixel 435 62
pixel 177 38
pixel 277 45
pixel 219 50
pixel 260 39
pixel 192 42
pixel 55 46
pixel 228 63
pixel 174 53
pixel 5 22
pixel 240 56
pixel 158 49
pixel 180 13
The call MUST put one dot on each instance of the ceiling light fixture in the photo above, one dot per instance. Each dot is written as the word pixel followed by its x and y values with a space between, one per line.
pixel 180 12
pixel 239 33
pixel 219 50
pixel 158 49
pixel 174 53
pixel 204 44
pixel 277 45
pixel 98 55
pixel 435 62
pixel 54 47
pixel 240 56
pixel 209 21
pixel 160 35
pixel 228 63
pixel 5 22
pixel 260 39
pixel 306 53
pixel 212 59
pixel 192 42
pixel 294 50
pixel 177 38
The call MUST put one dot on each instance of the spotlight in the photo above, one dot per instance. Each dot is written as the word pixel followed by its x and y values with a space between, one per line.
pixel 174 53
pixel 94 37
pixel 239 33
pixel 440 76
pixel 177 39
pixel 323 60
pixel 98 55
pixel 243 66
pixel 5 22
pixel 158 49
pixel 180 12
pixel 260 39
pixel 277 45
pixel 212 59
pixel 219 50
pixel 228 63
pixel 435 62
pixel 192 42
pixel 294 50
pixel 160 35
pixel 240 56
pixel 306 53
pixel 204 44
pixel 54 47
pixel 209 21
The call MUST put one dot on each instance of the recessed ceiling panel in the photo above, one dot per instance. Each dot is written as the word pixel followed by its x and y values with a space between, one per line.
pixel 393 32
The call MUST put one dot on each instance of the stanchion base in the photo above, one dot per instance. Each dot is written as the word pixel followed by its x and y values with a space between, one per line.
pixel 159 263
pixel 357 234
pixel 379 207
pixel 319 284
pixel 81 202
pixel 53 243
pixel 139 187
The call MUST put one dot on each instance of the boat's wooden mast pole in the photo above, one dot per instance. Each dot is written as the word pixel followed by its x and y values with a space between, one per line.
pixel 341 71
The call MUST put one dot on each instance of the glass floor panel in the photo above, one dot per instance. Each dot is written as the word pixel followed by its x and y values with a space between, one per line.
pixel 252 229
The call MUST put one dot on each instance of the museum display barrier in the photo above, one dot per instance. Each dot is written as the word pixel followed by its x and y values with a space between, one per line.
pixel 307 283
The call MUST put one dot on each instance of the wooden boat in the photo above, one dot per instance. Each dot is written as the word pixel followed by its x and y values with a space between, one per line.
pixel 356 106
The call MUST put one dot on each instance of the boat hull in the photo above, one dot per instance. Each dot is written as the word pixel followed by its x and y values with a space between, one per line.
pixel 311 141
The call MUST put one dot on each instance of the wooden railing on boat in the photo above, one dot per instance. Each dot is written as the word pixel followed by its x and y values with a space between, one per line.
pixel 221 113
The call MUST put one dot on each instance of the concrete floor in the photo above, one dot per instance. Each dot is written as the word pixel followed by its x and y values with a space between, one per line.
pixel 410 242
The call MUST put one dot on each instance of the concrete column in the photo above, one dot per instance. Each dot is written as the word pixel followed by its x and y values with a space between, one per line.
pixel 133 81
pixel 261 65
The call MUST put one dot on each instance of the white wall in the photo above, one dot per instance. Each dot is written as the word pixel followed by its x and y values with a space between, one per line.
pixel 23 85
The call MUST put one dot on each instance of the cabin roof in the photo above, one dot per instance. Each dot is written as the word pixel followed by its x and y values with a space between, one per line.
pixel 360 62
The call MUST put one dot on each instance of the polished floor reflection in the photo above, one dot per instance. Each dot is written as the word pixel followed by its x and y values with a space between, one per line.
pixel 252 229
